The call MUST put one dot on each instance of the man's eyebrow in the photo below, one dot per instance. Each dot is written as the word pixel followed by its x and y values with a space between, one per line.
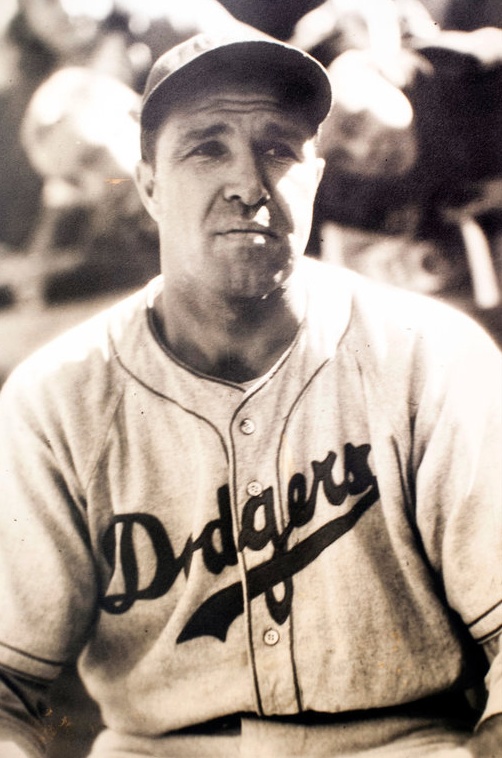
pixel 196 135
pixel 275 130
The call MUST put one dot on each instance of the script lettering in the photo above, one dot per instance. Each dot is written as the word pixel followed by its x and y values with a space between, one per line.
pixel 168 566
pixel 273 577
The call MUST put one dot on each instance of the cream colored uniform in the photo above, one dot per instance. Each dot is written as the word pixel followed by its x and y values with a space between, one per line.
pixel 327 538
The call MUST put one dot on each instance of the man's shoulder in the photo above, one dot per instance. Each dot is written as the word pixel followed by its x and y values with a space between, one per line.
pixel 82 360
pixel 395 335
pixel 394 313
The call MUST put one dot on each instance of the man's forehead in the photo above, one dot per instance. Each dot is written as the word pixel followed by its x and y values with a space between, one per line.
pixel 234 95
pixel 258 105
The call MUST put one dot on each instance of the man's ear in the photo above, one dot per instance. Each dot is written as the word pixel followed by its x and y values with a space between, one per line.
pixel 145 182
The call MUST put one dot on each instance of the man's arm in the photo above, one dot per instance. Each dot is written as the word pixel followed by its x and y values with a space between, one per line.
pixel 459 496
pixel 47 576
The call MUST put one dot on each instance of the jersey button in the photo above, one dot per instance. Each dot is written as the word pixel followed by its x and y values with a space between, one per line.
pixel 271 637
pixel 247 426
pixel 254 489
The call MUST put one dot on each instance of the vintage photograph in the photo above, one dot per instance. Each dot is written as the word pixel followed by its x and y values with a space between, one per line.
pixel 251 379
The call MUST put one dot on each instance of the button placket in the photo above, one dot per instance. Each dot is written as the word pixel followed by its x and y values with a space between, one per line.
pixel 254 443
pixel 271 637
pixel 254 488
pixel 247 426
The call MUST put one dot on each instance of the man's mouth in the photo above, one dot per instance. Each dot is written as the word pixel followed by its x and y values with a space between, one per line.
pixel 248 230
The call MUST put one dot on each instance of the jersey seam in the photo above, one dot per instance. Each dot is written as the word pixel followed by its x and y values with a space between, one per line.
pixel 198 374
pixel 106 432
pixel 244 583
pixel 293 406
pixel 175 402
pixel 484 615
pixel 396 431
pixel 486 637
pixel 30 656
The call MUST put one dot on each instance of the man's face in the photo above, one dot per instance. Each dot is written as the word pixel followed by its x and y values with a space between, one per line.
pixel 232 192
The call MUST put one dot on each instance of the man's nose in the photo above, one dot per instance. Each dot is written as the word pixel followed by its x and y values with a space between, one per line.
pixel 246 181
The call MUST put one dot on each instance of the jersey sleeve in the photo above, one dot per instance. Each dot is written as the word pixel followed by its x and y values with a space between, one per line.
pixel 457 465
pixel 47 576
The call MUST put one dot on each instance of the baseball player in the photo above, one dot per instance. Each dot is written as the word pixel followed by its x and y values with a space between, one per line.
pixel 259 500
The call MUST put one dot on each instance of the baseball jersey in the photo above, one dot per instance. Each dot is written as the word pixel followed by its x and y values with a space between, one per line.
pixel 326 538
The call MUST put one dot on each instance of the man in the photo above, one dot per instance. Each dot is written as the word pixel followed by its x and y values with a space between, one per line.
pixel 257 501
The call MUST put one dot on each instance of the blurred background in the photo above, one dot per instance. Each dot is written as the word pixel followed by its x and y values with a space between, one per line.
pixel 412 192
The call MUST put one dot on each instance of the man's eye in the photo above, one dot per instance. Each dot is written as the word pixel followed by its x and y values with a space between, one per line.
pixel 212 149
pixel 280 151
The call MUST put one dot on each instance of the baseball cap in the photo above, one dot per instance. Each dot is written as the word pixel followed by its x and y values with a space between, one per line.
pixel 246 56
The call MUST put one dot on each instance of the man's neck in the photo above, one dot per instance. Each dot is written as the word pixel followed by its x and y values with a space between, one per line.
pixel 235 340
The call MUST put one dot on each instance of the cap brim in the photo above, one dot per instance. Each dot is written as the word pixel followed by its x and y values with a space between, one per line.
pixel 300 80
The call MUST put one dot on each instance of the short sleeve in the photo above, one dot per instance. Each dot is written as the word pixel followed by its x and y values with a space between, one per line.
pixel 47 578
pixel 458 456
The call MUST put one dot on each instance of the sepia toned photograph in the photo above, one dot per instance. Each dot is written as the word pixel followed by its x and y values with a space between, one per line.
pixel 251 379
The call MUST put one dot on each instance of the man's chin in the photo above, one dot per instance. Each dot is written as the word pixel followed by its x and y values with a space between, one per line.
pixel 256 273
pixel 254 282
